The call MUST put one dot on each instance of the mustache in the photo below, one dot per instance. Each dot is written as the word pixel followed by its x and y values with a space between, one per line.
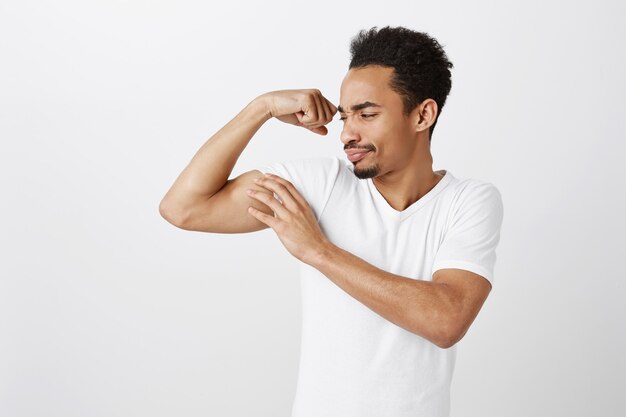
pixel 369 147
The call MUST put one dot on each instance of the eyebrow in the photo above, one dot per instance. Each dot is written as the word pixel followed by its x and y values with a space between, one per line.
pixel 359 106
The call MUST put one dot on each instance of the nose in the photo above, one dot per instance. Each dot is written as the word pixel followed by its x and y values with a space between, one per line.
pixel 349 133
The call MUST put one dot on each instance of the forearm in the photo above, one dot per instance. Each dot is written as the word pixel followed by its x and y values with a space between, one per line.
pixel 211 166
pixel 421 307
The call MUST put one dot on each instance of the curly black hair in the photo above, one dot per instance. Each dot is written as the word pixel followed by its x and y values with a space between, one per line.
pixel 421 66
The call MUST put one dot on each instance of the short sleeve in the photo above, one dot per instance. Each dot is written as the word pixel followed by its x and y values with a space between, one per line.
pixel 474 232
pixel 314 178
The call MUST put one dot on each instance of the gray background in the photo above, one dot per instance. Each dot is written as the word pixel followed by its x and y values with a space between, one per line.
pixel 108 310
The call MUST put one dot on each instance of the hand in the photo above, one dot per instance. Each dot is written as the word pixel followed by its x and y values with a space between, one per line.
pixel 306 108
pixel 294 221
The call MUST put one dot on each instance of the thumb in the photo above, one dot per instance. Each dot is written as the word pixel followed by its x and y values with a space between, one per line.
pixel 300 116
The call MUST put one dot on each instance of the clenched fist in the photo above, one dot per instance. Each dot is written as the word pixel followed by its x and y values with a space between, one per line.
pixel 307 108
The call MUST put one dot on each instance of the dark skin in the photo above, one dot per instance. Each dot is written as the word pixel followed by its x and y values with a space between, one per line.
pixel 440 310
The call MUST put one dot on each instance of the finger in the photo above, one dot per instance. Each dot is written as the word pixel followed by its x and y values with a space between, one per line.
pixel 289 188
pixel 327 110
pixel 270 201
pixel 267 182
pixel 321 111
pixel 333 110
pixel 310 111
pixel 262 217
pixel 332 107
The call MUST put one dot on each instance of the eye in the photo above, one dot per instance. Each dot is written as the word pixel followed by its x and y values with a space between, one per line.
pixel 363 115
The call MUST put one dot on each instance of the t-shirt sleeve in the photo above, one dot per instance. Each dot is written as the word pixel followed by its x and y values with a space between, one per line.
pixel 313 178
pixel 471 239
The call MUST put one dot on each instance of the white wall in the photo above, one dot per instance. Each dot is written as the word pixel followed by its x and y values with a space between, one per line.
pixel 108 310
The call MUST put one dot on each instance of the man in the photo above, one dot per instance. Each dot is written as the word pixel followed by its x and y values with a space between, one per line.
pixel 397 260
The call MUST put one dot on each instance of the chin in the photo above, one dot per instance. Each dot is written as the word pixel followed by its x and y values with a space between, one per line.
pixel 368 172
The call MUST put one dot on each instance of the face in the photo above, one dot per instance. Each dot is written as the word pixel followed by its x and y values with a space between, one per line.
pixel 376 134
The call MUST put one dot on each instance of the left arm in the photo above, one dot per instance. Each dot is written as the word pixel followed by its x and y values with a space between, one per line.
pixel 440 310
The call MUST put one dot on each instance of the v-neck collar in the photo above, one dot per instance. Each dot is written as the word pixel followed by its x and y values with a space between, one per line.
pixel 401 215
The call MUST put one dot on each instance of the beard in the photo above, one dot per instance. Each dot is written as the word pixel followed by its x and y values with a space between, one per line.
pixel 368 172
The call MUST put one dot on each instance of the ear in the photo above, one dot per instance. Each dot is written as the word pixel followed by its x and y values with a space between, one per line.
pixel 424 115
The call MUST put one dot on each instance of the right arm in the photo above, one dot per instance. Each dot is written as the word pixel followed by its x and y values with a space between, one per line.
pixel 203 198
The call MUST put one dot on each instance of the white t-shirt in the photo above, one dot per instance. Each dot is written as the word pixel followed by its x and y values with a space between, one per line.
pixel 354 362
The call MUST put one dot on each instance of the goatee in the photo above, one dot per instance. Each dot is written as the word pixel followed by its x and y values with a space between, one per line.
pixel 369 172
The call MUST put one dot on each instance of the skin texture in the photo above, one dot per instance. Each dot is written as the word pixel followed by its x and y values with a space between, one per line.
pixel 401 159
pixel 400 165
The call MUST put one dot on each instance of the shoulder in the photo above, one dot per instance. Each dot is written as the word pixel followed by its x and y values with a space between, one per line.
pixel 313 177
pixel 472 188
pixel 472 193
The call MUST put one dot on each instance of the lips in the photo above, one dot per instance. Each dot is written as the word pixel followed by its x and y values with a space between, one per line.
pixel 355 155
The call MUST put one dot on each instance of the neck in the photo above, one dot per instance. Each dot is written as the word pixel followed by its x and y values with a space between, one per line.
pixel 405 186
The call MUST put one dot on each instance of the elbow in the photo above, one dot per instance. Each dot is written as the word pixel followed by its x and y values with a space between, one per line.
pixel 171 214
pixel 447 342
pixel 449 335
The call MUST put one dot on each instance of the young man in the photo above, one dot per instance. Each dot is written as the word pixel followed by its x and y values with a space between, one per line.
pixel 397 260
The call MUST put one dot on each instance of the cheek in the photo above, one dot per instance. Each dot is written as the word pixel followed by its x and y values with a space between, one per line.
pixel 387 133
pixel 394 141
